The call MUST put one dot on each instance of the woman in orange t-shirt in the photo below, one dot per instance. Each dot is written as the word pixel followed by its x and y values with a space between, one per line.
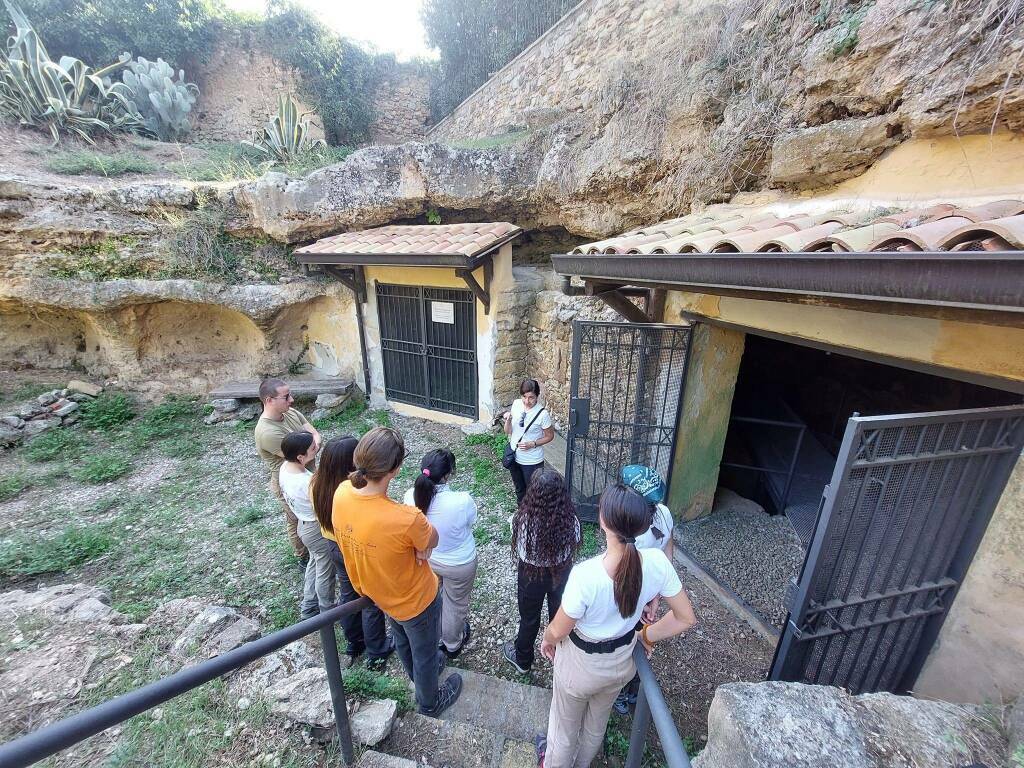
pixel 385 546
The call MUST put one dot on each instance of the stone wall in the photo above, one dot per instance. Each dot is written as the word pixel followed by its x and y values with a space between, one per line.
pixel 513 322
pixel 238 93
pixel 402 106
pixel 568 68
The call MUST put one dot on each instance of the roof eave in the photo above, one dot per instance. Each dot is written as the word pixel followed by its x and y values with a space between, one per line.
pixel 450 260
pixel 976 280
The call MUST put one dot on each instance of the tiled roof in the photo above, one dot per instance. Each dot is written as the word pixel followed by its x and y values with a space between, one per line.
pixel 415 240
pixel 996 226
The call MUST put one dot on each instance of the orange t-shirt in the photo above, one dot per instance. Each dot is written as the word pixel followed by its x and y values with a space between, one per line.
pixel 378 538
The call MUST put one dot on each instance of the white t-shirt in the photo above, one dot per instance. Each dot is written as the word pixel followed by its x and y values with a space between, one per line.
pixel 520 434
pixel 589 595
pixel 663 522
pixel 295 489
pixel 452 513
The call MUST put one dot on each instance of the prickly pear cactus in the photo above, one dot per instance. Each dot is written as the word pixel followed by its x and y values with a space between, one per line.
pixel 164 103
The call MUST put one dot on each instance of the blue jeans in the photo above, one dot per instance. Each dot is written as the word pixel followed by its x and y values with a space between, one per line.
pixel 364 631
pixel 416 645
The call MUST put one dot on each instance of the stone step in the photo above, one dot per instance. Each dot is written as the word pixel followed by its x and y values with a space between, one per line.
pixel 514 710
pixel 301 389
pixel 447 744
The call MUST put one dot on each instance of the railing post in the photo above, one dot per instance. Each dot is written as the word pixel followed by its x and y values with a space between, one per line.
pixel 329 641
pixel 638 736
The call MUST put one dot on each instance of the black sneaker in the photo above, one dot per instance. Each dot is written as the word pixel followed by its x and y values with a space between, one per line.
pixel 303 562
pixel 447 694
pixel 509 652
pixel 466 634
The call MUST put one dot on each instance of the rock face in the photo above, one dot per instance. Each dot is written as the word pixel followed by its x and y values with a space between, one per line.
pixel 757 725
pixel 305 697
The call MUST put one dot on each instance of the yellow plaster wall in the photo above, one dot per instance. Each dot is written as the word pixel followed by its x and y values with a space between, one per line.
pixel 486 331
pixel 991 350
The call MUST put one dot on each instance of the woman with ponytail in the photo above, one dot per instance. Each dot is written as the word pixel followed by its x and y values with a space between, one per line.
pixel 366 630
pixel 591 638
pixel 452 513
pixel 385 546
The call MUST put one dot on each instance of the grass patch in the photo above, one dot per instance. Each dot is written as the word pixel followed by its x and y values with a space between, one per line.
pixel 221 161
pixel 12 485
pixel 496 442
pixel 169 419
pixel 311 161
pixel 107 411
pixel 244 515
pixel 491 142
pixel 77 162
pixel 361 682
pixel 181 447
pixel 104 260
pixel 31 555
pixel 27 390
pixel 54 444
pixel 590 543
pixel 101 468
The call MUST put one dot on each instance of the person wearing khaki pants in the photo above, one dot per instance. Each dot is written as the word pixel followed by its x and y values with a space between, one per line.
pixel 452 514
pixel 279 419
pixel 592 636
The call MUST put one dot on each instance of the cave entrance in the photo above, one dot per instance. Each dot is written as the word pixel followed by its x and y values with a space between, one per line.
pixel 852 497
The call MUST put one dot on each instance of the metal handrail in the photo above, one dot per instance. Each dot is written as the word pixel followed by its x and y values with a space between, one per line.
pixel 651 705
pixel 65 733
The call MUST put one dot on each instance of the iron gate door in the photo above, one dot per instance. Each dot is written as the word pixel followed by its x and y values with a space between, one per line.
pixel 428 345
pixel 626 385
pixel 906 508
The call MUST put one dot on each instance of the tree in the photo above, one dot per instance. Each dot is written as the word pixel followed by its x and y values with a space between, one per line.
pixel 476 38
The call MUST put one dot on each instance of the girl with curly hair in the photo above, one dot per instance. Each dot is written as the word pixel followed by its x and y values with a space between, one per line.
pixel 545 536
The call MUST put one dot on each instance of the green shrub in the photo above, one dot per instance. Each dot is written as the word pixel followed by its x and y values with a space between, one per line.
pixel 53 444
pixel 31 554
pixel 84 161
pixel 181 447
pixel 164 104
pixel 11 486
pixel 165 420
pixel 101 468
pixel 65 96
pixel 360 681
pixel 107 411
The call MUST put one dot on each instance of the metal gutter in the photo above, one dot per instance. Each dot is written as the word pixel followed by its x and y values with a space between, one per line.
pixel 960 279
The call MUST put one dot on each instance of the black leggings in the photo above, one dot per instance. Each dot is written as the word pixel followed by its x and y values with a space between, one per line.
pixel 521 474
pixel 533 585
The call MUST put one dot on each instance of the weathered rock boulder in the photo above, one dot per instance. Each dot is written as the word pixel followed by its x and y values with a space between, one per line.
pixel 762 725
pixel 371 722
pixel 215 630
pixel 305 697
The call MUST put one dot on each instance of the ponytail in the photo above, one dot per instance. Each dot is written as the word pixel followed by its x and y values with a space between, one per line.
pixel 434 468
pixel 358 478
pixel 626 515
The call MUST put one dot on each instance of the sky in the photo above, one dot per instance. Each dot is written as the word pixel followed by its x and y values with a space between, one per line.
pixel 389 26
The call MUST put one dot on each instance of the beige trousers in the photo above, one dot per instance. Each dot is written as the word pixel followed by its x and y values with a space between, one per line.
pixel 584 688
pixel 456 585
pixel 290 520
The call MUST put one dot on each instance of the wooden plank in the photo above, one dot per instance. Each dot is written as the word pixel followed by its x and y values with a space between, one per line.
pixel 300 388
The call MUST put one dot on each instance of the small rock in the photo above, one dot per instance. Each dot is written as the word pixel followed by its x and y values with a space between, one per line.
pixel 80 397
pixel 371 759
pixel 226 404
pixel 244 703
pixel 84 387
pixel 157 713
pixel 67 409
pixel 39 425
pixel 9 436
pixel 47 399
pixel 210 622
pixel 305 697
pixel 248 412
pixel 476 428
pixel 330 401
pixel 372 723
pixel 242 631
pixel 74 418
pixel 12 421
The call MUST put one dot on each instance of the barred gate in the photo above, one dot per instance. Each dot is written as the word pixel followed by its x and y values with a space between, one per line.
pixel 626 386
pixel 428 344
pixel 908 504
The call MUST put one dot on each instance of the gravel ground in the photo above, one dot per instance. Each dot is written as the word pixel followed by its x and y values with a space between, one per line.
pixel 754 553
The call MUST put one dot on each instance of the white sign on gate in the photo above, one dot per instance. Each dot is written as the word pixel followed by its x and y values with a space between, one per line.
pixel 442 312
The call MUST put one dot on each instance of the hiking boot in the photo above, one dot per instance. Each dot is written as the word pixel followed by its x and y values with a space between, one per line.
pixel 447 694
pixel 509 652
pixel 621 704
pixel 466 633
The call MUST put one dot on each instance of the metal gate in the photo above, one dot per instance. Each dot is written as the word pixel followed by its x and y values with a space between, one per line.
pixel 906 508
pixel 428 342
pixel 627 381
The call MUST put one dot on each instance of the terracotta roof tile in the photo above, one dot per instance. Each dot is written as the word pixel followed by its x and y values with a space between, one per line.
pixel 412 240
pixel 997 225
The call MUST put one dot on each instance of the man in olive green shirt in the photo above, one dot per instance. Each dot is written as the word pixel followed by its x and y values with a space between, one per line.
pixel 278 420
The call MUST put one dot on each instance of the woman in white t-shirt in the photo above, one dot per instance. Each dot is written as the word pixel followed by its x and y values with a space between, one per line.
pixel 299 449
pixel 528 426
pixel 592 636
pixel 453 514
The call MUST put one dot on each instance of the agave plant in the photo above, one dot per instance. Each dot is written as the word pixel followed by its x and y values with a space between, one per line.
pixel 164 103
pixel 286 134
